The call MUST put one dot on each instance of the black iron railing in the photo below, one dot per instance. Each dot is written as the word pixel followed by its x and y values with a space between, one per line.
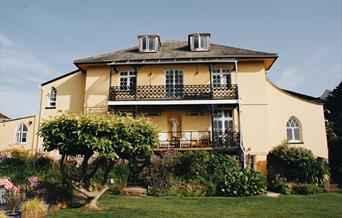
pixel 198 139
pixel 164 92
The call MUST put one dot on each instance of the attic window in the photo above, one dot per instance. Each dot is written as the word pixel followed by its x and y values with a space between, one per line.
pixel 199 41
pixel 148 43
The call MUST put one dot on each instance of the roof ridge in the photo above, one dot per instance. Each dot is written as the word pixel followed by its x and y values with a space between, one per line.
pixel 108 53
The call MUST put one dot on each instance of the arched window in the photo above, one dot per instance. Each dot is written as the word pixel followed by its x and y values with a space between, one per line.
pixel 21 134
pixel 52 97
pixel 293 130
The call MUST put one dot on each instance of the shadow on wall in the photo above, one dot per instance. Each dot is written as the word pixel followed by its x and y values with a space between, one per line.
pixel 101 107
pixel 96 99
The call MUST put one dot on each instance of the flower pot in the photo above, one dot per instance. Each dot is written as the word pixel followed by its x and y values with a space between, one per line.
pixel 14 215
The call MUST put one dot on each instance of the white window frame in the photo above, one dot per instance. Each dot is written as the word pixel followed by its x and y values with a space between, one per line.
pixel 148 39
pixel 180 72
pixel 130 74
pixel 19 134
pixel 223 72
pixel 200 46
pixel 229 118
pixel 293 124
pixel 53 97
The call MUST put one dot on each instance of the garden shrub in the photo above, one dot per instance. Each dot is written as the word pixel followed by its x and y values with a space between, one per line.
pixel 184 189
pixel 219 165
pixel 241 183
pixel 335 159
pixel 280 185
pixel 192 165
pixel 306 189
pixel 295 164
pixel 54 193
pixel 198 173
pixel 18 165
pixel 34 208
pixel 158 177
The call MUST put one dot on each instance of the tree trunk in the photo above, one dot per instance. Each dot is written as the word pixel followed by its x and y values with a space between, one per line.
pixel 92 200
pixel 92 197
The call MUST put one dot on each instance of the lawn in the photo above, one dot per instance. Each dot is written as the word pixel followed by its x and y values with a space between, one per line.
pixel 319 205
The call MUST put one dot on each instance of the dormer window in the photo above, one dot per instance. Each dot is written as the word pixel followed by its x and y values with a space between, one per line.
pixel 148 43
pixel 199 41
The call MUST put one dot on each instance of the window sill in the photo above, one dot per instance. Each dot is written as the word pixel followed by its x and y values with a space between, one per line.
pixel 16 144
pixel 148 51
pixel 50 107
pixel 200 49
pixel 299 142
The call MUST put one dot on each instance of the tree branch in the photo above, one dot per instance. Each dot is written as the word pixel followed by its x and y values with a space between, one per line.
pixel 106 174
pixel 93 172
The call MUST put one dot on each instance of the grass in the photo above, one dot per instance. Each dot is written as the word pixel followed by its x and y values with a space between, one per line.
pixel 319 205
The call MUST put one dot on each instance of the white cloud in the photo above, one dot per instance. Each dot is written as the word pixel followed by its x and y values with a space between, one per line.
pixel 21 72
pixel 290 78
pixel 5 41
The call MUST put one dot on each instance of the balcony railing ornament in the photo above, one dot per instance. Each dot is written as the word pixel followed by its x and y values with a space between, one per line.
pixel 166 92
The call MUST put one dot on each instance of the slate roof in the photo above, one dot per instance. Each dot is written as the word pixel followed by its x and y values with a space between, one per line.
pixel 3 116
pixel 302 96
pixel 175 50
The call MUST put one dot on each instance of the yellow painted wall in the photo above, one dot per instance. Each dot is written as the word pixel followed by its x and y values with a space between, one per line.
pixel 193 74
pixel 70 95
pixel 70 98
pixel 264 113
pixel 264 108
pixel 8 130
pixel 253 96
pixel 311 116
pixel 96 89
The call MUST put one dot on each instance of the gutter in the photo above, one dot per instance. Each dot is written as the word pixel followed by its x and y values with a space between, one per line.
pixel 240 117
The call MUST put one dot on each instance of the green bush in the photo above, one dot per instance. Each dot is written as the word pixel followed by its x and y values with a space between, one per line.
pixel 280 185
pixel 306 189
pixel 18 165
pixel 295 164
pixel 198 173
pixel 192 165
pixel 220 165
pixel 335 159
pixel 183 189
pixel 158 177
pixel 54 193
pixel 241 183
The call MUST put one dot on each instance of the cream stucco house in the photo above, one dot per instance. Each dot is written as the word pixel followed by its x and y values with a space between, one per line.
pixel 203 96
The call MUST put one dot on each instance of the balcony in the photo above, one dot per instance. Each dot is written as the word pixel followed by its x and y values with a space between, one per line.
pixel 179 92
pixel 198 140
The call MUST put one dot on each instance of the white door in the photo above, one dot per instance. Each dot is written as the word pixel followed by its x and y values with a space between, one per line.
pixel 222 123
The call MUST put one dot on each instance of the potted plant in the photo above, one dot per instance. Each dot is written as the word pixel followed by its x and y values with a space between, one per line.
pixel 13 199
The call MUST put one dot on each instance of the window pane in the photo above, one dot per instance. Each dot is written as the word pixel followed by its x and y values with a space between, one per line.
pixel 204 42
pixel 151 44
pixel 196 43
pixel 144 43
pixel 296 134
pixel 23 137
pixel 289 134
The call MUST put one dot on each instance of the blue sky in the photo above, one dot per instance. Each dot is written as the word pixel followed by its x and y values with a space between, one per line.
pixel 39 39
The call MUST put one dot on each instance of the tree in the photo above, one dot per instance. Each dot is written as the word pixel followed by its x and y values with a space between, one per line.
pixel 333 114
pixel 97 140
